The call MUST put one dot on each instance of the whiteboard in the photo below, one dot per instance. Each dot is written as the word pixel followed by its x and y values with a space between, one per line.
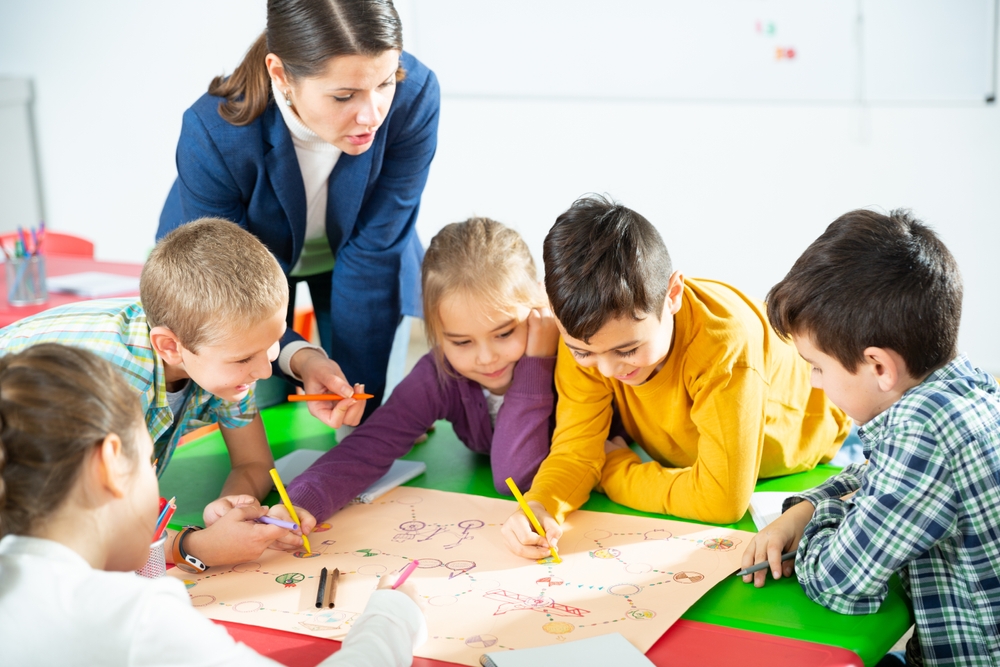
pixel 714 50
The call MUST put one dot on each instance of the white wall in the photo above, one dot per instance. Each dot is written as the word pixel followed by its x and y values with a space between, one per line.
pixel 737 189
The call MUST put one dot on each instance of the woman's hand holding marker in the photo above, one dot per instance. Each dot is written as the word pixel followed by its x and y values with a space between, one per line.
pixel 321 375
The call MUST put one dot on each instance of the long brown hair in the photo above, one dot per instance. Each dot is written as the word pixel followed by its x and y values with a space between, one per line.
pixel 56 404
pixel 305 34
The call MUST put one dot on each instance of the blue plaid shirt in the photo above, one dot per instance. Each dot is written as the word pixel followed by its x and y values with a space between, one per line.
pixel 116 329
pixel 928 507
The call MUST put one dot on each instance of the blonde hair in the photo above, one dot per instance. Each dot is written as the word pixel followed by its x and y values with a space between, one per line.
pixel 482 259
pixel 209 279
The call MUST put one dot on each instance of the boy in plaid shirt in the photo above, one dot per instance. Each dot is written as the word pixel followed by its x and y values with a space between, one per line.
pixel 207 327
pixel 874 305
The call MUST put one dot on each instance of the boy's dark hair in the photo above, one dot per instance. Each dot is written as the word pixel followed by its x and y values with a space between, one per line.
pixel 874 280
pixel 603 261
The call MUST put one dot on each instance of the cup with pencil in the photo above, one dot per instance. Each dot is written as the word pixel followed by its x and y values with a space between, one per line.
pixel 25 268
pixel 156 565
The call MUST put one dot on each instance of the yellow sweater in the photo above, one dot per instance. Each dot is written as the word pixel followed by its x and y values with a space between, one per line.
pixel 732 403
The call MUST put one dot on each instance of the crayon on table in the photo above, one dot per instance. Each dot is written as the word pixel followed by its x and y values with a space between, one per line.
pixel 334 579
pixel 288 505
pixel 328 598
pixel 531 516
pixel 321 593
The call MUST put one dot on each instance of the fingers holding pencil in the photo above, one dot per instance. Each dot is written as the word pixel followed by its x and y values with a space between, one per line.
pixel 292 540
pixel 331 398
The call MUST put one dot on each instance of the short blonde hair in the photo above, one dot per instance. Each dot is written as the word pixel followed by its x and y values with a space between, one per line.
pixel 482 259
pixel 209 279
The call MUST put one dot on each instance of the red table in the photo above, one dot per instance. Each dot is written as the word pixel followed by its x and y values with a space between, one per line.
pixel 685 643
pixel 56 265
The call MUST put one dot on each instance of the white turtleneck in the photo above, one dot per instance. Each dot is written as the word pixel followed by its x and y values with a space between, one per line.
pixel 316 160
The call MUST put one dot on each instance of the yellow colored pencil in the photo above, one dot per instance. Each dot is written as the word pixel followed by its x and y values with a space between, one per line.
pixel 288 505
pixel 531 515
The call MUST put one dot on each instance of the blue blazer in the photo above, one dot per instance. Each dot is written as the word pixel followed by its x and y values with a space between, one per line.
pixel 251 175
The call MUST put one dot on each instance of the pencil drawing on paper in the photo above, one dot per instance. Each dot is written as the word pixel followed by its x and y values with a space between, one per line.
pixel 624 574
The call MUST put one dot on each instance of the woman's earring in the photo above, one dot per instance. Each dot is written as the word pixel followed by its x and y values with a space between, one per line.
pixel 288 100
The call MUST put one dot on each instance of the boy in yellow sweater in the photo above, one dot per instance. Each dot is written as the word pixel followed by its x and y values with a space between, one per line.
pixel 698 377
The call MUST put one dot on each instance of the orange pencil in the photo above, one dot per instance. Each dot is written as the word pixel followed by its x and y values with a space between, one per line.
pixel 294 398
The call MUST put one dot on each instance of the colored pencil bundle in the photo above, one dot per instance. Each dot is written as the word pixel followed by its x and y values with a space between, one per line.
pixel 22 248
pixel 167 509
pixel 21 256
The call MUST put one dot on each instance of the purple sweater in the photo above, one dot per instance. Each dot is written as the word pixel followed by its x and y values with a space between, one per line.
pixel 516 446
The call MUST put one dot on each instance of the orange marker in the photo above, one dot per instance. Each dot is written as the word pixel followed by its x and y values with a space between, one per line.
pixel 295 398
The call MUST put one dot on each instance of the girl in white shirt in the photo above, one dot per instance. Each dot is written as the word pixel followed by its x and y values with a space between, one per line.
pixel 78 504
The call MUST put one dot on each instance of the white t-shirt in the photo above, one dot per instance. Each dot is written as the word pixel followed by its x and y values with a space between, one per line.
pixel 57 610
pixel 493 403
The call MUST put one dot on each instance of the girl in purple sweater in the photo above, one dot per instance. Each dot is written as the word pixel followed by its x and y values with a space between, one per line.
pixel 489 372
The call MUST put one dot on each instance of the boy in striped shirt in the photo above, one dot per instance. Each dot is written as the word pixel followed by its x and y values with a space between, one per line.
pixel 207 327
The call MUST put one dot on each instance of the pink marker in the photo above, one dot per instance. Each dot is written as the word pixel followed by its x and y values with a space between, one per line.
pixel 405 574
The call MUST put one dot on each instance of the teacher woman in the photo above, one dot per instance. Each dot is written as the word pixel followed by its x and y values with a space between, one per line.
pixel 319 143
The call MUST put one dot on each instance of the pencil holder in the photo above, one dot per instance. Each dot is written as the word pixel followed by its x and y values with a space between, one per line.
pixel 26 280
pixel 156 566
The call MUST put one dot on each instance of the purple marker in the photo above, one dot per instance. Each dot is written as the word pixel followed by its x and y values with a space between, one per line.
pixel 405 574
pixel 278 522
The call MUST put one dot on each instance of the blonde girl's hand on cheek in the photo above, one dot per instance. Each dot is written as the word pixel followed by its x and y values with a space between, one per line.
pixel 292 540
pixel 525 542
pixel 543 334
pixel 219 507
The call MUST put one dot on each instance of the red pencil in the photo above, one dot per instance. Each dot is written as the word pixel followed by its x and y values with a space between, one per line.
pixel 166 520
pixel 295 398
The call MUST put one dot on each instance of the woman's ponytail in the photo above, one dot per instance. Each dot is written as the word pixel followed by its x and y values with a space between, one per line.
pixel 248 89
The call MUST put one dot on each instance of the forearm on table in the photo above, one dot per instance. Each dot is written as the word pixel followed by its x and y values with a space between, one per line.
pixel 690 493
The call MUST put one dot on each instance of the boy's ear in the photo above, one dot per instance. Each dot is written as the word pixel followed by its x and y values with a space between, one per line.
pixel 112 471
pixel 675 292
pixel 887 367
pixel 166 344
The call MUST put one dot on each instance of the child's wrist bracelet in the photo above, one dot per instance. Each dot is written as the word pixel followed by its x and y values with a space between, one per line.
pixel 183 559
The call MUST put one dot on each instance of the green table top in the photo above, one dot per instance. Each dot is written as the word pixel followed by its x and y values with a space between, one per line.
pixel 197 471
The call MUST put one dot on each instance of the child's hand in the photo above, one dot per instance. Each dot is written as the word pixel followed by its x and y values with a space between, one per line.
pixel 221 506
pixel 291 540
pixel 543 334
pixel 614 443
pixel 408 587
pixel 234 538
pixel 779 537
pixel 523 541
pixel 323 376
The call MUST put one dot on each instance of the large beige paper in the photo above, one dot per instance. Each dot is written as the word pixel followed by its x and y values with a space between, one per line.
pixel 624 574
